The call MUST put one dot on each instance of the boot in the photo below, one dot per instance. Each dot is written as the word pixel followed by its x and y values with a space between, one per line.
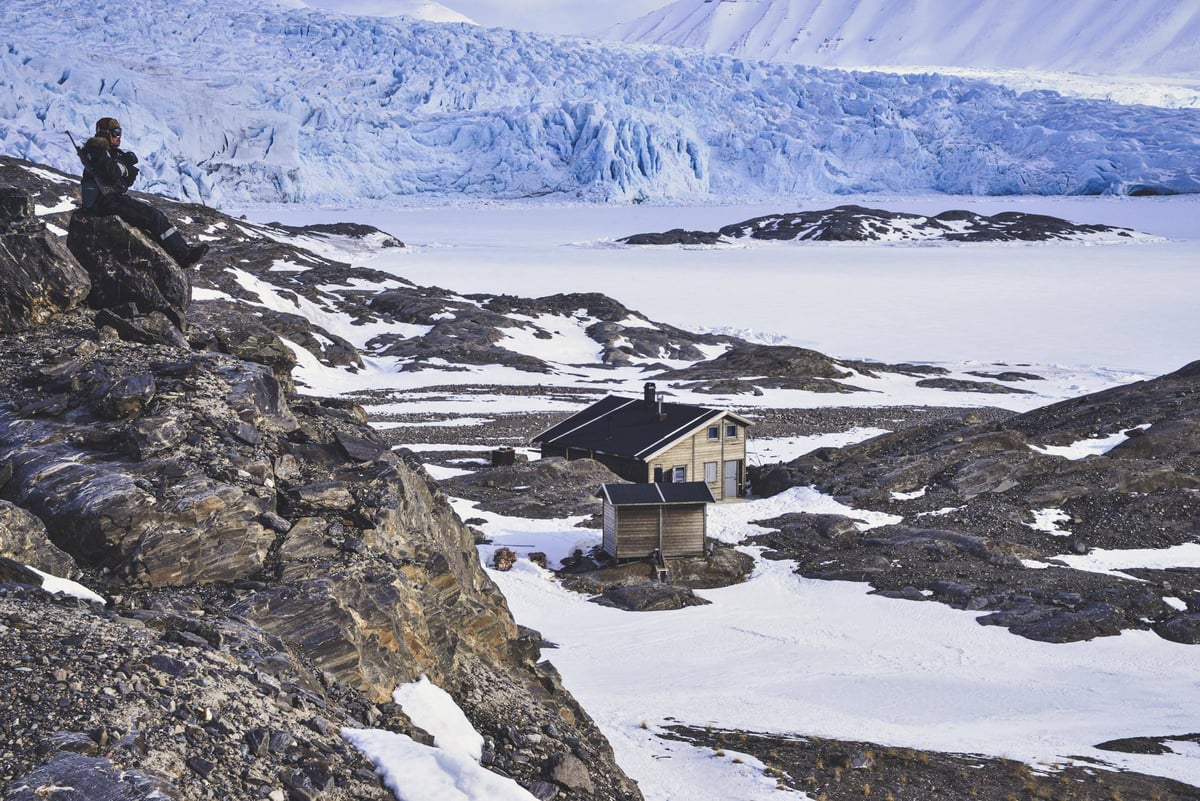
pixel 177 248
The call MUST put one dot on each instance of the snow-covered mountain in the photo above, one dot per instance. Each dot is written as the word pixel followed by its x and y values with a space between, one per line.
pixel 1105 37
pixel 416 9
pixel 233 102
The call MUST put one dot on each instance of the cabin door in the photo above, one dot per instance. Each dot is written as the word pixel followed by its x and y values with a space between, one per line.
pixel 732 473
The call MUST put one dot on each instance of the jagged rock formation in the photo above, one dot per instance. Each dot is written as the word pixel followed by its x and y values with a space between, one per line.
pixel 126 270
pixel 273 569
pixel 970 492
pixel 852 223
pixel 40 278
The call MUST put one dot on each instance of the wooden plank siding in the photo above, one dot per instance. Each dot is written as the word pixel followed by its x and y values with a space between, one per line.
pixel 633 532
pixel 697 449
pixel 610 530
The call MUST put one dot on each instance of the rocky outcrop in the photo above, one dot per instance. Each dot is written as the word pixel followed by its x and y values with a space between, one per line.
pixel 272 568
pixel 773 366
pixel 473 330
pixel 127 271
pixel 852 223
pixel 25 541
pixel 970 492
pixel 40 277
pixel 545 488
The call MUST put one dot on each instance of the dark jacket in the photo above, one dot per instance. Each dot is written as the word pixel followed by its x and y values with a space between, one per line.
pixel 106 170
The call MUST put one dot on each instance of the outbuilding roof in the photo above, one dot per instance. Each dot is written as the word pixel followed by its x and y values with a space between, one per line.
pixel 656 494
pixel 631 427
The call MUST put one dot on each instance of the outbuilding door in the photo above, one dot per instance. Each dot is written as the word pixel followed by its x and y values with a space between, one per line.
pixel 733 470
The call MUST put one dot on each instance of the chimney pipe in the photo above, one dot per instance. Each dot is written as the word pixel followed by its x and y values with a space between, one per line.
pixel 648 394
pixel 661 415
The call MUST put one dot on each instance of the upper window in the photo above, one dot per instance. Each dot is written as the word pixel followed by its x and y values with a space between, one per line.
pixel 731 431
pixel 679 475
pixel 714 432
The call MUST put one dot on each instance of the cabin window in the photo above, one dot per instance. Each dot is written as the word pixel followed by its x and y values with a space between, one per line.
pixel 731 432
pixel 714 432
pixel 710 472
pixel 679 475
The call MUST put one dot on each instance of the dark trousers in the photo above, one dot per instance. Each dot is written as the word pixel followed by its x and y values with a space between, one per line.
pixel 136 213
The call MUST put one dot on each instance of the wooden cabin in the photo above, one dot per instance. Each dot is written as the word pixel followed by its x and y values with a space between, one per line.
pixel 648 440
pixel 642 519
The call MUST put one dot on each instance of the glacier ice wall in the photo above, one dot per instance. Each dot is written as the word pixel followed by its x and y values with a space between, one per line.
pixel 229 101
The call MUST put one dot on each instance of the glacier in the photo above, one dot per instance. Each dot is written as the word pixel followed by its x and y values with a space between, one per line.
pixel 245 102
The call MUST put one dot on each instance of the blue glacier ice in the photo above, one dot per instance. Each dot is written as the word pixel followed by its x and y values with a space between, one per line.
pixel 236 101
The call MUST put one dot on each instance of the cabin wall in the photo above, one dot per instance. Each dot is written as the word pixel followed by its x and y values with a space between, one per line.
pixel 627 468
pixel 609 544
pixel 693 452
pixel 635 530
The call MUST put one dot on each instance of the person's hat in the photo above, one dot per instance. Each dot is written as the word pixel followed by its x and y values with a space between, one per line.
pixel 106 124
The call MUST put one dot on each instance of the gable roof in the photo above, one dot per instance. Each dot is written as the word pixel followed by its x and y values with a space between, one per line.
pixel 630 427
pixel 656 494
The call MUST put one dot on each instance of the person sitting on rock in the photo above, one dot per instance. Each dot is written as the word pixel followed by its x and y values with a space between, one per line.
pixel 108 172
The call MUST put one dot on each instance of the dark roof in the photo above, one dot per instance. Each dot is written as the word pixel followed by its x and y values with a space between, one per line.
pixel 629 427
pixel 656 494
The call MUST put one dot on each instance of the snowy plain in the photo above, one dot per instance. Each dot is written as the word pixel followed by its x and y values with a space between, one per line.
pixel 1127 307
pixel 780 653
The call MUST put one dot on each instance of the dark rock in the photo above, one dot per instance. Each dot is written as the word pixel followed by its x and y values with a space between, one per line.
pixel 149 437
pixel 103 781
pixel 851 223
pixel 1183 628
pixel 676 236
pixel 568 771
pixel 785 366
pixel 125 268
pixel 1147 745
pixel 75 742
pixel 959 385
pixel 324 495
pixel 200 766
pixel 650 597
pixel 1097 620
pixel 13 571
pixel 127 397
pixel 724 567
pixel 257 741
pixel 543 488
pixel 170 665
pixel 299 785
pixel 23 538
pixel 543 791
pixel 250 338
pixel 38 276
pixel 361 448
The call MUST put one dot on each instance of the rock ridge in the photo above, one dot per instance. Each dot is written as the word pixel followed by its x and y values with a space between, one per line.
pixel 272 569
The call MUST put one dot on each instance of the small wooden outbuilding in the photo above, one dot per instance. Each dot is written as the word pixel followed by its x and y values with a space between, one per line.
pixel 641 519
